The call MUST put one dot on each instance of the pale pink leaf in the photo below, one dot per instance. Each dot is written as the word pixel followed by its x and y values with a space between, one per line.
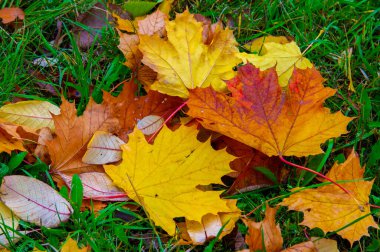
pixel 34 201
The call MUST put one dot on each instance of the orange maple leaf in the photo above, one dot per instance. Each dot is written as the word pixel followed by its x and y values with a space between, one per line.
pixel 263 116
pixel 331 209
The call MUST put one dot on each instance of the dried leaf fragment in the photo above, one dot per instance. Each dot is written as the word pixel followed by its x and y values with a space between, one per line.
pixel 176 160
pixel 8 15
pixel 272 240
pixel 72 246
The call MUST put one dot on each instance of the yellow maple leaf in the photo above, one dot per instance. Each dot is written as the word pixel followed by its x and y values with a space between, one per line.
pixel 331 209
pixel 184 62
pixel 283 56
pixel 163 177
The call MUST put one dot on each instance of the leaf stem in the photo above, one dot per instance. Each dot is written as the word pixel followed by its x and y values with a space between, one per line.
pixel 315 172
pixel 167 119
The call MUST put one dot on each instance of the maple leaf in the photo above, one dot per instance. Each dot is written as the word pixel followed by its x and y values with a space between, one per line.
pixel 257 45
pixel 130 109
pixel 73 134
pixel 264 235
pixel 184 62
pixel 163 177
pixel 284 57
pixel 248 159
pixel 263 117
pixel 331 209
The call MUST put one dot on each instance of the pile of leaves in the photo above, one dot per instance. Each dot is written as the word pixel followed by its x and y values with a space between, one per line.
pixel 209 111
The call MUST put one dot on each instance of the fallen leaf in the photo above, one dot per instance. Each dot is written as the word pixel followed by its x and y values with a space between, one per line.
pixel 272 240
pixel 9 138
pixel 126 24
pixel 148 174
pixel 73 134
pixel 248 159
pixel 103 148
pixel 139 8
pixel 72 246
pixel 34 201
pixel 330 209
pixel 150 124
pixel 153 24
pixel 128 45
pixel 98 186
pixel 130 109
pixel 262 116
pixel 184 62
pixel 284 57
pixel 166 6
pixel 8 15
pixel 257 45
pixel 199 232
pixel 41 150
pixel 8 223
pixel 325 245
pixel 302 247
pixel 32 115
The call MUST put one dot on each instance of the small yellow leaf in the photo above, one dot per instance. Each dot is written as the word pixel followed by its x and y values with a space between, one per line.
pixel 184 62
pixel 32 115
pixel 72 246
pixel 163 177
pixel 283 56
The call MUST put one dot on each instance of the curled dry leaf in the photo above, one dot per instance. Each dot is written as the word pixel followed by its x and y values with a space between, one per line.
pixel 272 240
pixel 184 62
pixel 98 186
pixel 8 15
pixel 330 209
pixel 103 148
pixel 150 124
pixel 34 201
pixel 194 232
pixel 41 150
pixel 8 223
pixel 31 115
pixel 284 57
pixel 149 174
pixel 261 115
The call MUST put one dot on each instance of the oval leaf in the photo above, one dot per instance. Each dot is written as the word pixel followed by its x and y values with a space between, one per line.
pixel 30 114
pixel 34 201
pixel 98 186
pixel 150 124
pixel 103 148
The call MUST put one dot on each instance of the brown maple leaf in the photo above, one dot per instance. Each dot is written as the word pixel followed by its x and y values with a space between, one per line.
pixel 330 209
pixel 247 177
pixel 263 116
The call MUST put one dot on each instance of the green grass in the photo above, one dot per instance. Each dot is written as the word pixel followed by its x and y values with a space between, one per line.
pixel 347 25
